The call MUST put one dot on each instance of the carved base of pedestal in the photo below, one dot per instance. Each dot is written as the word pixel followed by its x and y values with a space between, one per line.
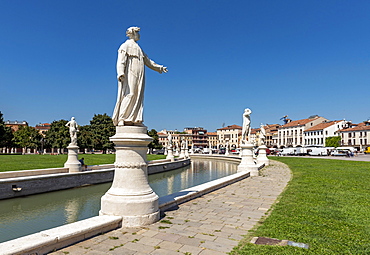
pixel 247 164
pixel 170 154
pixel 72 162
pixel 262 158
pixel 130 195
pixel 135 210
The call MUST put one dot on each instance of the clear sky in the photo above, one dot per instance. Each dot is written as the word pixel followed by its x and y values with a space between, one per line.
pixel 296 58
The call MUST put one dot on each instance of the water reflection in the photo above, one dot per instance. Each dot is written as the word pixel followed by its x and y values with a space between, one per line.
pixel 26 215
pixel 197 173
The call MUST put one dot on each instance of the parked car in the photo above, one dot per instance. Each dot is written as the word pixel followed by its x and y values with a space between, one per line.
pixel 367 150
pixel 317 151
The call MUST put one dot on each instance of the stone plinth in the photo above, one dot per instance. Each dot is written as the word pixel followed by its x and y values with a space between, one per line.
pixel 247 164
pixel 130 195
pixel 182 153
pixel 262 158
pixel 72 162
pixel 170 154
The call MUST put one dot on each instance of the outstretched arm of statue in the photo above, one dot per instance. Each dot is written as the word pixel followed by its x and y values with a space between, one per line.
pixel 154 66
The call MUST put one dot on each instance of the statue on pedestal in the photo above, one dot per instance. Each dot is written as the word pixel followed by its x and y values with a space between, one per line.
pixel 246 130
pixel 73 129
pixel 131 63
pixel 262 135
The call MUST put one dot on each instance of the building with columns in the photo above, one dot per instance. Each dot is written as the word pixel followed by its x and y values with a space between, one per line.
pixel 229 135
pixel 292 133
pixel 357 135
pixel 316 135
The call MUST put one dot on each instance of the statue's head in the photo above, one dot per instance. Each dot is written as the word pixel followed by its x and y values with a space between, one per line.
pixel 73 118
pixel 247 111
pixel 133 33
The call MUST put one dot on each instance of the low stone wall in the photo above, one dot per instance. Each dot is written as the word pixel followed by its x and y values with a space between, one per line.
pixel 47 180
pixel 59 237
pixel 24 173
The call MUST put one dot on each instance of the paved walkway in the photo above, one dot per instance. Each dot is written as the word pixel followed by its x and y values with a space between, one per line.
pixel 212 224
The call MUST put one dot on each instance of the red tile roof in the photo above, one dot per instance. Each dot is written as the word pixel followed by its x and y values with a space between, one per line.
pixel 321 126
pixel 295 123
pixel 230 127
pixel 360 127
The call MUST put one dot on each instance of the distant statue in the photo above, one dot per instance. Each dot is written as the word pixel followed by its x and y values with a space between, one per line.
pixel 262 135
pixel 170 140
pixel 183 143
pixel 246 125
pixel 73 129
pixel 131 80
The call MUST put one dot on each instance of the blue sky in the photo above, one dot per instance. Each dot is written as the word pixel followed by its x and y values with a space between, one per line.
pixel 296 58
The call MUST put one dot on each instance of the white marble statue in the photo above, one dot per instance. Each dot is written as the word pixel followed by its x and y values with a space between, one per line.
pixel 131 63
pixel 73 129
pixel 170 140
pixel 246 125
pixel 262 135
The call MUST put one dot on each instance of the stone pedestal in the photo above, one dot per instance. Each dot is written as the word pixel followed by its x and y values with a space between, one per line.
pixel 247 164
pixel 72 162
pixel 227 153
pixel 187 153
pixel 130 195
pixel 262 158
pixel 170 154
pixel 182 153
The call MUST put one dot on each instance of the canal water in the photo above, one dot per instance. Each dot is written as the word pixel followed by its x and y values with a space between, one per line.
pixel 27 215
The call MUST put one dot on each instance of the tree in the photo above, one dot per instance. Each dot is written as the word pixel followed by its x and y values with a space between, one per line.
pixel 58 134
pixel 6 134
pixel 333 141
pixel 27 137
pixel 85 137
pixel 101 128
pixel 155 143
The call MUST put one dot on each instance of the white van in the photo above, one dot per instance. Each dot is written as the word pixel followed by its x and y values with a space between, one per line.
pixel 343 151
pixel 317 151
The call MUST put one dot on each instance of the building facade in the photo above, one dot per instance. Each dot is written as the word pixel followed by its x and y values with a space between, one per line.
pixel 292 133
pixel 229 136
pixel 357 136
pixel 316 135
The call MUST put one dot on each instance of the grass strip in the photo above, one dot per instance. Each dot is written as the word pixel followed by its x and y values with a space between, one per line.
pixel 326 205
pixel 28 162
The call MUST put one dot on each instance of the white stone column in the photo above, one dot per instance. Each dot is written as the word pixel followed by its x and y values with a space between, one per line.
pixel 72 162
pixel 247 164
pixel 262 158
pixel 182 152
pixel 130 195
pixel 170 153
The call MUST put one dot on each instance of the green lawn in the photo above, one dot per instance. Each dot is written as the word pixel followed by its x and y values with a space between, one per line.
pixel 326 205
pixel 28 162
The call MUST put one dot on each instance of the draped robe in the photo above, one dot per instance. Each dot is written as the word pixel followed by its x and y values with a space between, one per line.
pixel 130 63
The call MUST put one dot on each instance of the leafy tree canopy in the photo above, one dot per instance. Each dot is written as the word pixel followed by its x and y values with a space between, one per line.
pixel 155 143
pixel 6 134
pixel 58 134
pixel 27 137
pixel 101 128
pixel 333 141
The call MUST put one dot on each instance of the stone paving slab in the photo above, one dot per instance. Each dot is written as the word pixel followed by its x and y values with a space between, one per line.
pixel 211 224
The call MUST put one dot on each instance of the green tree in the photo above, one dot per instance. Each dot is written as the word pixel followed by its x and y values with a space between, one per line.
pixel 85 137
pixel 333 141
pixel 58 134
pixel 101 128
pixel 27 137
pixel 6 135
pixel 155 143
